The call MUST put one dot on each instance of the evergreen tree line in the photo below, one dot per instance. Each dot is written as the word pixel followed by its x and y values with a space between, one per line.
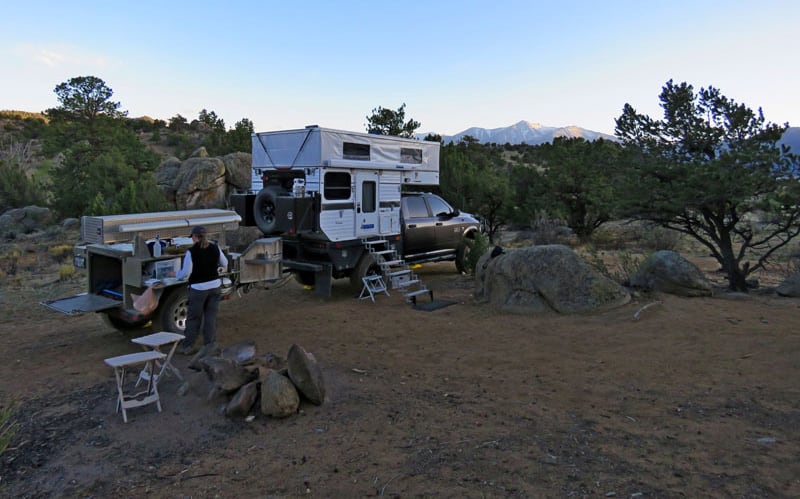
pixel 711 169
pixel 102 164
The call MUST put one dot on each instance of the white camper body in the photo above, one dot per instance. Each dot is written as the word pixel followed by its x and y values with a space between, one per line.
pixel 355 178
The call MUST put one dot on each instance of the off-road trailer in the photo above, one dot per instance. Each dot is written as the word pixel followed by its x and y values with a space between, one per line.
pixel 120 265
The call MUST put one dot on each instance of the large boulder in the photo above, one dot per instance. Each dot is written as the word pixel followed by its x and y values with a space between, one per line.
pixel 790 286
pixel 202 181
pixel 544 278
pixel 25 220
pixel 668 272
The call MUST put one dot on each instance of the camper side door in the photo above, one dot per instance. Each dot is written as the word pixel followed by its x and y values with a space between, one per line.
pixel 366 203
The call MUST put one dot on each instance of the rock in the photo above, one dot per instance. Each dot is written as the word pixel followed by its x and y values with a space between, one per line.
pixel 237 171
pixel 279 397
pixel 226 374
pixel 200 183
pixel 544 278
pixel 211 350
pixel 25 220
pixel 305 373
pixel 790 286
pixel 668 272
pixel 241 353
pixel 243 400
pixel 71 224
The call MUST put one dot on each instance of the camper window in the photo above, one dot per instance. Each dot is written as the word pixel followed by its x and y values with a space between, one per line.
pixel 411 156
pixel 368 189
pixel 337 185
pixel 352 150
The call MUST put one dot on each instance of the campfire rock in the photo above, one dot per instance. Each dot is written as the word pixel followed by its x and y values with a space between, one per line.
pixel 241 353
pixel 243 400
pixel 226 375
pixel 306 374
pixel 279 397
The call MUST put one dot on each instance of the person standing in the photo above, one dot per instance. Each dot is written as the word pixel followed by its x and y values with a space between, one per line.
pixel 200 265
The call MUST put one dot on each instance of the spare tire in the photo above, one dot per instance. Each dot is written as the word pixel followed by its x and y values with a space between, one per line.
pixel 265 210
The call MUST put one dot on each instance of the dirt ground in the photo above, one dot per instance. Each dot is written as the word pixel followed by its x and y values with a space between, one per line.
pixel 698 397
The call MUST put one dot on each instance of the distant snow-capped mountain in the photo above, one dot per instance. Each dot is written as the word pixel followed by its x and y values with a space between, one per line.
pixel 525 132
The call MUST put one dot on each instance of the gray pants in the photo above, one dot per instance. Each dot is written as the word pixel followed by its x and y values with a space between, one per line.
pixel 203 307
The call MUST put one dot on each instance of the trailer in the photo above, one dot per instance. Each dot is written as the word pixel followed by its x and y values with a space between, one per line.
pixel 118 253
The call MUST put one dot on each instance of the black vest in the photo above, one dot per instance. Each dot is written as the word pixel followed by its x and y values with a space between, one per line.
pixel 204 263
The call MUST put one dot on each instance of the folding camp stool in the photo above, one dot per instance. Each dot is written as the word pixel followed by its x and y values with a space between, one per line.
pixel 149 396
pixel 372 284
pixel 154 342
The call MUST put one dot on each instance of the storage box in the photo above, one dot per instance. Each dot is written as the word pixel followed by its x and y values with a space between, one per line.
pixel 162 268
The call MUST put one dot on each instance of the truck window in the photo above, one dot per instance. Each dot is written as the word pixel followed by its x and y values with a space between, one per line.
pixel 337 185
pixel 415 207
pixel 439 207
pixel 351 150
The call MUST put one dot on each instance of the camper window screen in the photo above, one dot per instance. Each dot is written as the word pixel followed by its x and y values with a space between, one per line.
pixel 351 150
pixel 337 185
pixel 412 156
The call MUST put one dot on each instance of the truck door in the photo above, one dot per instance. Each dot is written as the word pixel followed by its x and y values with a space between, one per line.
pixel 419 226
pixel 366 203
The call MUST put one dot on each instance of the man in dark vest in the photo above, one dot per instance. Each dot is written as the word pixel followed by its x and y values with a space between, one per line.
pixel 200 264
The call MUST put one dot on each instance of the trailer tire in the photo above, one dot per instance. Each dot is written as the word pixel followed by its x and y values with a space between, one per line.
pixel 171 313
pixel 264 210
pixel 124 327
pixel 367 265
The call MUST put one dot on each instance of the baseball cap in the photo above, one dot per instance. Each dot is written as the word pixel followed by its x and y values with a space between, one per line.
pixel 198 230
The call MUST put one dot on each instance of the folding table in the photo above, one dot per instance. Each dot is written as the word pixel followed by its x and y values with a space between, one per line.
pixel 154 342
pixel 150 395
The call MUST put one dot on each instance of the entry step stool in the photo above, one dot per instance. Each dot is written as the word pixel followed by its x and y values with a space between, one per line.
pixel 372 284
pixel 149 396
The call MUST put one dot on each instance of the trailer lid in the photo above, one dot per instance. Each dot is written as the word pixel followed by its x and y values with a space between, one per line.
pixel 82 303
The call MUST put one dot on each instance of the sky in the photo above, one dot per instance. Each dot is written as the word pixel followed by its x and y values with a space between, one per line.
pixel 455 64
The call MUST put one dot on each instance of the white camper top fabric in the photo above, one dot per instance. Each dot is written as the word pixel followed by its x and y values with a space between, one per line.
pixel 314 146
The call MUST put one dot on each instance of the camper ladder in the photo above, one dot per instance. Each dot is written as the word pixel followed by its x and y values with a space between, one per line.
pixel 395 271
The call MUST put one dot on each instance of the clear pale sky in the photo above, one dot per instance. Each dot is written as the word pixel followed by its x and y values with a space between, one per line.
pixel 456 64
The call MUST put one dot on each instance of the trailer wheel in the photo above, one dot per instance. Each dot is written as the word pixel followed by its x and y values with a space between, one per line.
pixel 367 265
pixel 172 312
pixel 305 277
pixel 264 210
pixel 122 326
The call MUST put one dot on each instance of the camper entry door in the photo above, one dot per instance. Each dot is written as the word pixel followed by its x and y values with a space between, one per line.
pixel 366 203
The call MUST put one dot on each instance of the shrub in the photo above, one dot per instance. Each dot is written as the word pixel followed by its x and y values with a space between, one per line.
pixel 478 245
pixel 7 428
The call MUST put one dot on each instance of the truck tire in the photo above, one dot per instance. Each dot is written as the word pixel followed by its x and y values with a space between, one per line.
pixel 264 207
pixel 367 265
pixel 462 254
pixel 171 313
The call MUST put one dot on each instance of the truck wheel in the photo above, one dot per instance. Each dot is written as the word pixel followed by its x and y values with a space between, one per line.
pixel 124 327
pixel 171 313
pixel 305 277
pixel 264 207
pixel 366 266
pixel 462 254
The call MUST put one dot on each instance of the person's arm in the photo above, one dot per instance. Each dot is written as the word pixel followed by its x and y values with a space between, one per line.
pixel 223 260
pixel 186 270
